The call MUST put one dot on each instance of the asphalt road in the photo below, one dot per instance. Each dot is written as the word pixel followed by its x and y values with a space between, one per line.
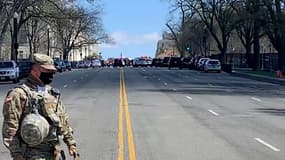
pixel 160 114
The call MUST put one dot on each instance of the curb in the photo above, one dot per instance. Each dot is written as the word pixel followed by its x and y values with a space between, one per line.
pixel 258 78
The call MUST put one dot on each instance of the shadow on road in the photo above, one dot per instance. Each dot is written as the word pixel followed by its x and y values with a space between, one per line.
pixel 272 111
pixel 204 89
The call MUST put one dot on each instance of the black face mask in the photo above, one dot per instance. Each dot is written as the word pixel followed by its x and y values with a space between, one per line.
pixel 46 78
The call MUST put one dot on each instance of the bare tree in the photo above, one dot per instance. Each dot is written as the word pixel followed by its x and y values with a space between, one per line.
pixel 74 26
pixel 248 27
pixel 7 11
pixel 35 33
pixel 80 27
pixel 26 9
pixel 180 30
pixel 275 28
pixel 199 37
pixel 217 17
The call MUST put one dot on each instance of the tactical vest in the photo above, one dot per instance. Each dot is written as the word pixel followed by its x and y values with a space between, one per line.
pixel 40 121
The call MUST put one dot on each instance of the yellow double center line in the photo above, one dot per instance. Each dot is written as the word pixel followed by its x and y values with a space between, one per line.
pixel 124 108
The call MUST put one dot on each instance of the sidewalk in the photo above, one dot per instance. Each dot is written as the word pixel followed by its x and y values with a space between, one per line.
pixel 270 78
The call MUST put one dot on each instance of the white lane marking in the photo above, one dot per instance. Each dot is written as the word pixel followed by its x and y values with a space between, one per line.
pixel 256 99
pixel 174 89
pixel 65 86
pixel 165 83
pixel 75 81
pixel 267 144
pixel 158 79
pixel 196 79
pixel 214 113
pixel 189 97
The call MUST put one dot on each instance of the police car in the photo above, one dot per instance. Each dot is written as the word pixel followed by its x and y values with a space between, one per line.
pixel 9 71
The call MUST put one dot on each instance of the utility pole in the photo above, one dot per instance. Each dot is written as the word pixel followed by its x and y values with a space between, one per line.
pixel 14 55
pixel 48 40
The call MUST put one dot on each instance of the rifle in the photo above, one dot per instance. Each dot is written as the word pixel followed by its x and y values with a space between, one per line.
pixel 76 156
pixel 62 155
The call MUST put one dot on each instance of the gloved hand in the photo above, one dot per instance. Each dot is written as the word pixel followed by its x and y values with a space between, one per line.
pixel 72 150
pixel 18 157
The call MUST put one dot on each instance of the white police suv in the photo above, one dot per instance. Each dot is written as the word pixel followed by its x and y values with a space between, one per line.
pixel 9 71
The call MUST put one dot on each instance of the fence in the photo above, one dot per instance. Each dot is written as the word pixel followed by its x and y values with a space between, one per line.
pixel 267 61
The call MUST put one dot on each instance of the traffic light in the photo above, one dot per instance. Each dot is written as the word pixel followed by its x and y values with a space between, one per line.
pixel 188 49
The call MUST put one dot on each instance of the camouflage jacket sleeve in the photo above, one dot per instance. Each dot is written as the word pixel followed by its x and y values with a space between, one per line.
pixel 66 129
pixel 12 111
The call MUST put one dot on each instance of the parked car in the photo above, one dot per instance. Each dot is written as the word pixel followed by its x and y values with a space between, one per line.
pixel 136 62
pixel 9 71
pixel 185 63
pixel 201 62
pixel 195 61
pixel 148 61
pixel 87 64
pixel 140 62
pixel 212 65
pixel 25 67
pixel 96 63
pixel 174 62
pixel 156 62
pixel 60 66
pixel 81 64
pixel 192 63
pixel 110 62
pixel 74 64
pixel 68 65
pixel 118 62
pixel 165 62
pixel 127 61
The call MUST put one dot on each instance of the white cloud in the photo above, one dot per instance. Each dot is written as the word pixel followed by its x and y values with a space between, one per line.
pixel 104 45
pixel 126 39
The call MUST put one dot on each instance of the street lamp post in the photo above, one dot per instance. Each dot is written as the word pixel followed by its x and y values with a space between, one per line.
pixel 173 51
pixel 14 55
pixel 48 40
pixel 100 55
pixel 205 40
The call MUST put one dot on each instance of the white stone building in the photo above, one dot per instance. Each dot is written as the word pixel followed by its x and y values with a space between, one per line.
pixel 166 47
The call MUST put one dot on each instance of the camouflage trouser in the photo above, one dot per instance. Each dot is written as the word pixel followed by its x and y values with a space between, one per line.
pixel 42 154
pixel 33 154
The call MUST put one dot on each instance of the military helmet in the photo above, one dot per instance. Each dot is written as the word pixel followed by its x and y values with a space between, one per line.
pixel 34 129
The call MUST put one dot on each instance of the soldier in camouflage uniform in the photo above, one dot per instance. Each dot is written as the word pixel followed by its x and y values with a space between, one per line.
pixel 16 108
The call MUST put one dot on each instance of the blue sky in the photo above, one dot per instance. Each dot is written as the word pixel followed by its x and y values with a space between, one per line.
pixel 135 25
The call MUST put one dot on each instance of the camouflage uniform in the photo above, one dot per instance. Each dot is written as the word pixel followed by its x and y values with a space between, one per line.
pixel 16 107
